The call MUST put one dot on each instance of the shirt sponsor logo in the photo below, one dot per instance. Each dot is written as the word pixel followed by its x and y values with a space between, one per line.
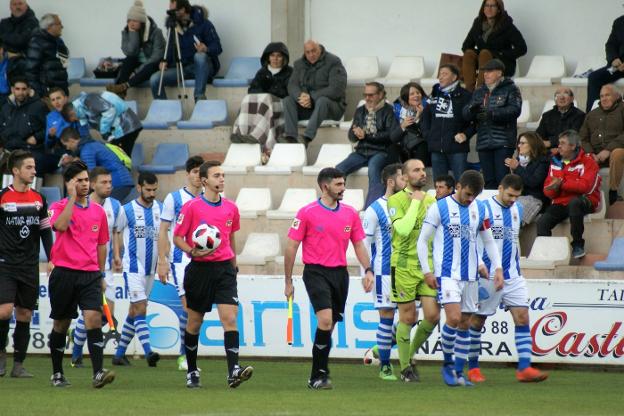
pixel 295 224
pixel 25 232
pixel 10 207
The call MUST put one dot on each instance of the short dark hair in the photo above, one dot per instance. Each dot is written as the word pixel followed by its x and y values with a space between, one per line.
pixel 17 157
pixel 326 175
pixel 19 78
pixel 67 108
pixel 57 89
pixel 451 67
pixel 193 162
pixel 390 172
pixel 73 169
pixel 98 171
pixel 512 181
pixel 406 164
pixel 205 167
pixel 472 180
pixel 447 179
pixel 147 178
pixel 70 133
pixel 183 4
pixel 404 94
pixel 380 87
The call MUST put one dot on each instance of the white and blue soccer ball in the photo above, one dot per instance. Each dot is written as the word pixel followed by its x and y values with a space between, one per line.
pixel 207 237
pixel 370 359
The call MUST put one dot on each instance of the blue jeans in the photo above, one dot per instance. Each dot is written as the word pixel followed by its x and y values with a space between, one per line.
pixel 443 162
pixel 493 165
pixel 200 70
pixel 375 162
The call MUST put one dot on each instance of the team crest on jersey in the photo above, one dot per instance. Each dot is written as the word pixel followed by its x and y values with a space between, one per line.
pixel 295 224
pixel 50 213
pixel 347 229
pixel 38 205
pixel 95 228
pixel 392 211
pixel 180 219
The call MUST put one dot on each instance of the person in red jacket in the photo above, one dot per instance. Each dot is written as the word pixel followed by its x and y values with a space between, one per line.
pixel 573 185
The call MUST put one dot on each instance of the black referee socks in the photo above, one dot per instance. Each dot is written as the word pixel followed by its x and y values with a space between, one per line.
pixel 320 353
pixel 57 349
pixel 190 346
pixel 21 336
pixel 95 340
pixel 230 341
pixel 4 333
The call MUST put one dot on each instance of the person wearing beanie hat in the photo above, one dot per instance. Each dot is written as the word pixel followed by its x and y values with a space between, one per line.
pixel 143 44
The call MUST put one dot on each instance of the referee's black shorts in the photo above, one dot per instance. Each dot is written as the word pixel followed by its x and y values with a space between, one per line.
pixel 210 282
pixel 70 289
pixel 327 288
pixel 19 285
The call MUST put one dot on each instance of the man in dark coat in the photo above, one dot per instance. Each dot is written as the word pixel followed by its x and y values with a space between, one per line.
pixel 563 116
pixel 15 32
pixel 316 92
pixel 47 57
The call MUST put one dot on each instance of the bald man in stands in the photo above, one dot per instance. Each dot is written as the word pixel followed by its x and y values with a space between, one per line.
pixel 602 135
pixel 316 92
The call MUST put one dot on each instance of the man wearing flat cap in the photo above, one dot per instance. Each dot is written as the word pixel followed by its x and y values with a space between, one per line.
pixel 495 107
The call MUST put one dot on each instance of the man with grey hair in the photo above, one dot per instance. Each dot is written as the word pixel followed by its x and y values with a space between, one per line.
pixel 573 185
pixel 563 116
pixel 15 32
pixel 602 135
pixel 316 92
pixel 47 57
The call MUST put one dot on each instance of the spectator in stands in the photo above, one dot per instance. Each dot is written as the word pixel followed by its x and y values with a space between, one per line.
pixel 316 92
pixel 602 136
pixel 94 153
pixel 5 88
pixel 531 164
pixel 492 35
pixel 16 31
pixel 495 106
pixel 109 115
pixel 614 69
pixel 200 48
pixel 144 46
pixel 260 119
pixel 573 185
pixel 444 186
pixel 22 124
pixel 444 126
pixel 370 130
pixel 563 116
pixel 407 138
pixel 47 57
pixel 55 123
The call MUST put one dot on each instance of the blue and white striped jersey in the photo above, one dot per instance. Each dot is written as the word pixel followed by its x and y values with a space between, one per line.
pixel 112 207
pixel 378 229
pixel 171 209
pixel 140 227
pixel 505 223
pixel 456 226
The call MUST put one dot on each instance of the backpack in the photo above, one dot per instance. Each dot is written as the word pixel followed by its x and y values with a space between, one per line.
pixel 123 156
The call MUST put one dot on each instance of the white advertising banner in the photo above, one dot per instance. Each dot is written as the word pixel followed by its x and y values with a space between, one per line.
pixel 572 321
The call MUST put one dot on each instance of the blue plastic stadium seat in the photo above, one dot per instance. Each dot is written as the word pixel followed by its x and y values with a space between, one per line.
pixel 615 259
pixel 96 82
pixel 162 114
pixel 51 194
pixel 133 106
pixel 206 115
pixel 241 72
pixel 137 156
pixel 76 69
pixel 168 158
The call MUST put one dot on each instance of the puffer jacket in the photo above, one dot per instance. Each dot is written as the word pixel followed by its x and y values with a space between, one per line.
pixel 380 140
pixel 16 32
pixel 443 118
pixel 265 82
pixel 94 153
pixel 46 62
pixel 327 77
pixel 580 177
pixel 496 124
pixel 505 42
pixel 107 113
pixel 603 129
pixel 151 47
pixel 554 122
pixel 614 47
pixel 20 121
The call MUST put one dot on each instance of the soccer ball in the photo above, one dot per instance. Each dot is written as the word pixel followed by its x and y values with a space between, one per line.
pixel 370 359
pixel 207 237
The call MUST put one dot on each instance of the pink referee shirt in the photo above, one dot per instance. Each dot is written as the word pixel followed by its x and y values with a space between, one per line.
pixel 76 247
pixel 325 233
pixel 223 215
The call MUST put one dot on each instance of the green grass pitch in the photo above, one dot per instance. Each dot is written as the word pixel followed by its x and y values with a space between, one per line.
pixel 279 388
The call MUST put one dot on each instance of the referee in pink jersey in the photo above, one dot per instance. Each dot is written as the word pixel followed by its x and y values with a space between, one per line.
pixel 79 256
pixel 325 228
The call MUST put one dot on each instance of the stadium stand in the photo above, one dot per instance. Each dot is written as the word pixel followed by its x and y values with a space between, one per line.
pixel 253 202
pixel 240 73
pixel 241 158
pixel 403 69
pixel 546 253
pixel 294 198
pixel 543 71
pixel 206 115
pixel 584 66
pixel 259 248
pixel 615 260
pixel 361 69
pixel 162 114
pixel 76 70
pixel 168 158
pixel 51 193
pixel 285 159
